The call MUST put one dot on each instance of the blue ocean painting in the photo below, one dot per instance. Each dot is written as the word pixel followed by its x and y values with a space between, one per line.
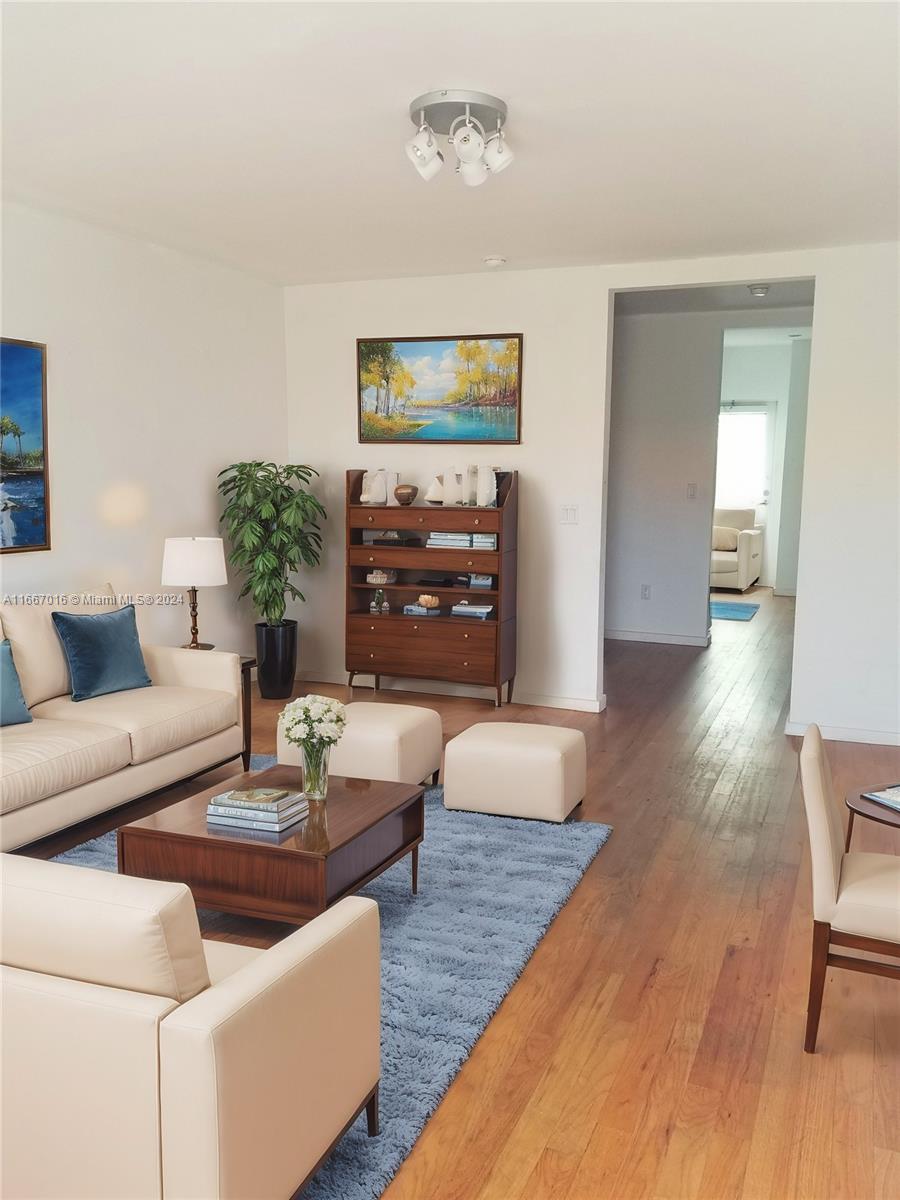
pixel 440 389
pixel 24 523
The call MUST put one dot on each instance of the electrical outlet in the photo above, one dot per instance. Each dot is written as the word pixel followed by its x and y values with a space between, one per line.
pixel 569 514
pixel 692 491
pixel 645 591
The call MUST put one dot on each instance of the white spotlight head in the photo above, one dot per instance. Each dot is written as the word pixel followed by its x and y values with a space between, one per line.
pixel 430 169
pixel 497 154
pixel 473 174
pixel 421 149
pixel 468 144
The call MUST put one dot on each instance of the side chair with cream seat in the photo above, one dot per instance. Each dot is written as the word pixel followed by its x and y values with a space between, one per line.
pixel 856 895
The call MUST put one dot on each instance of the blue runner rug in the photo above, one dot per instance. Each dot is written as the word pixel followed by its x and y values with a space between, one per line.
pixel 727 610
pixel 488 889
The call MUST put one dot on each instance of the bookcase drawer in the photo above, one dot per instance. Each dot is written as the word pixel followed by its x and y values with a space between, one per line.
pixel 483 562
pixel 447 520
pixel 418 663
pixel 424 635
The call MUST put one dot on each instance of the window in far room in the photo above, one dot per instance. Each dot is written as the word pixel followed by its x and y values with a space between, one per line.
pixel 744 461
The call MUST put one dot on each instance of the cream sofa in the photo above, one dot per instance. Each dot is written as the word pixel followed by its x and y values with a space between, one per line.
pixel 74 760
pixel 738 568
pixel 142 1063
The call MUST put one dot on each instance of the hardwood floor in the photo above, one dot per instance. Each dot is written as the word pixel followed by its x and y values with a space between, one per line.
pixel 653 1045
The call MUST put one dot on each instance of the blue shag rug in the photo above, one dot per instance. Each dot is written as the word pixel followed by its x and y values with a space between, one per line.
pixel 728 610
pixel 488 889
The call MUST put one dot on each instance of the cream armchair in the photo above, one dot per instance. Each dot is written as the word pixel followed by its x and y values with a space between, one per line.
pixel 737 546
pixel 142 1062
pixel 856 896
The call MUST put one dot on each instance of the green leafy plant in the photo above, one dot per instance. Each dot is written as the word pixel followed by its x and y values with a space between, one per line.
pixel 272 523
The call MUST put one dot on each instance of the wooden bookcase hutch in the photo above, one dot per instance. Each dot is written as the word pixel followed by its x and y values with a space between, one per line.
pixel 456 649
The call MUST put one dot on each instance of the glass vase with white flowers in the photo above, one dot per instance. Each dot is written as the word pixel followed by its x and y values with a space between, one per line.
pixel 315 724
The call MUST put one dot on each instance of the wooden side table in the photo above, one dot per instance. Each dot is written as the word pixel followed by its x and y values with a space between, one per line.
pixel 874 812
pixel 248 662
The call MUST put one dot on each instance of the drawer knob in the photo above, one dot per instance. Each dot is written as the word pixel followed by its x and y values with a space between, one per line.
pixel 372 627
pixel 465 635
pixel 478 520
pixel 421 520
pixel 465 664
pixel 371 656
pixel 370 519
pixel 371 559
pixel 415 627
pixel 469 563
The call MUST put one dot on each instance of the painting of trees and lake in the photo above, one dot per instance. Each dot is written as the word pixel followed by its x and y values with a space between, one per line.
pixel 24 516
pixel 465 389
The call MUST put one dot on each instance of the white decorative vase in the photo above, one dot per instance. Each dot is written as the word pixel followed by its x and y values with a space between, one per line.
pixel 452 487
pixel 486 489
pixel 391 479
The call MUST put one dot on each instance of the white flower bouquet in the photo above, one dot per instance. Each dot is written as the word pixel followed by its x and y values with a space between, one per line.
pixel 315 724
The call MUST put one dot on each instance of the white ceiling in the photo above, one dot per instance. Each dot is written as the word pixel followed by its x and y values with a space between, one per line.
pixel 792 293
pixel 270 135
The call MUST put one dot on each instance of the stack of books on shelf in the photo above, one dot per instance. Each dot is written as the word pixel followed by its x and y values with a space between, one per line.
pixel 266 810
pixel 480 612
pixel 463 541
pixel 419 610
pixel 481 581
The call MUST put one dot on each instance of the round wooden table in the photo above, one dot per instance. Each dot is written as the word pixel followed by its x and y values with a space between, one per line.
pixel 869 809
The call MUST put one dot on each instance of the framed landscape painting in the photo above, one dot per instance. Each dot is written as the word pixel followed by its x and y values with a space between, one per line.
pixel 24 490
pixel 441 389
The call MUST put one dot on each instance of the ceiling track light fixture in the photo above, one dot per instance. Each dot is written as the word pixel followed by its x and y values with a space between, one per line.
pixel 464 118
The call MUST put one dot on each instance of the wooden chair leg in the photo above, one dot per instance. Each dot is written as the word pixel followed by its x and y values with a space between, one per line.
pixel 372 1113
pixel 818 967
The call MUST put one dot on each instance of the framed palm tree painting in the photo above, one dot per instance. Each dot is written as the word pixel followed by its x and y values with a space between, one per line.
pixel 464 389
pixel 24 488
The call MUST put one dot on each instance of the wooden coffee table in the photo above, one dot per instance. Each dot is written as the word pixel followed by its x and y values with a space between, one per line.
pixel 363 828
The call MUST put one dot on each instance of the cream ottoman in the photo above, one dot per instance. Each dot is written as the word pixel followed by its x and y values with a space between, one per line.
pixel 516 770
pixel 396 742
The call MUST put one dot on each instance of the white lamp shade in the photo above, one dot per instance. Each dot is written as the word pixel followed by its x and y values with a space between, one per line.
pixel 468 144
pixel 497 154
pixel 421 149
pixel 431 169
pixel 473 174
pixel 194 562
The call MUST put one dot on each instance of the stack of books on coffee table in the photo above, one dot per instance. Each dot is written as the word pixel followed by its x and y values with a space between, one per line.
pixel 266 810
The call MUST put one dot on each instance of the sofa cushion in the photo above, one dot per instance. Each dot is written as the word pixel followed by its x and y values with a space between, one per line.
pixel 157 719
pixel 43 670
pixel 12 702
pixel 103 652
pixel 735 518
pixel 724 538
pixel 723 562
pixel 114 930
pixel 224 958
pixel 46 757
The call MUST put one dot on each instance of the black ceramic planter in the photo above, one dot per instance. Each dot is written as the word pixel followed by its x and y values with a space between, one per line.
pixel 276 659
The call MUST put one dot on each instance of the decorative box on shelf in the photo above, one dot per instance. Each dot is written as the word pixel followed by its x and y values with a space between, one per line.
pixel 453 554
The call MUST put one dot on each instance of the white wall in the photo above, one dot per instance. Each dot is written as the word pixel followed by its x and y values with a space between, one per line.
pixel 792 479
pixel 666 387
pixel 161 369
pixel 662 439
pixel 560 459
pixel 846 663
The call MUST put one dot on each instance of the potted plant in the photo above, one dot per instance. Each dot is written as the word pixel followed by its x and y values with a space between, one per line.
pixel 272 523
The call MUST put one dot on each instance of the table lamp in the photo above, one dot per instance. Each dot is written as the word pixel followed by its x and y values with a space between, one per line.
pixel 193 562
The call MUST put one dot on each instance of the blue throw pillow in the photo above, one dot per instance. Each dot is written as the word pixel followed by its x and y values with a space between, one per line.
pixel 13 710
pixel 103 652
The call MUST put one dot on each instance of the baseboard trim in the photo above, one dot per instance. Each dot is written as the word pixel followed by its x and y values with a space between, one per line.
pixel 840 733
pixel 435 688
pixel 668 639
pixel 784 591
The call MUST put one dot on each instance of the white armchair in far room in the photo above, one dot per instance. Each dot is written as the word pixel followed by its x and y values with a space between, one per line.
pixel 737 547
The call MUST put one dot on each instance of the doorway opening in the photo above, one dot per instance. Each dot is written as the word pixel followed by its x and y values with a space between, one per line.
pixel 706 445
